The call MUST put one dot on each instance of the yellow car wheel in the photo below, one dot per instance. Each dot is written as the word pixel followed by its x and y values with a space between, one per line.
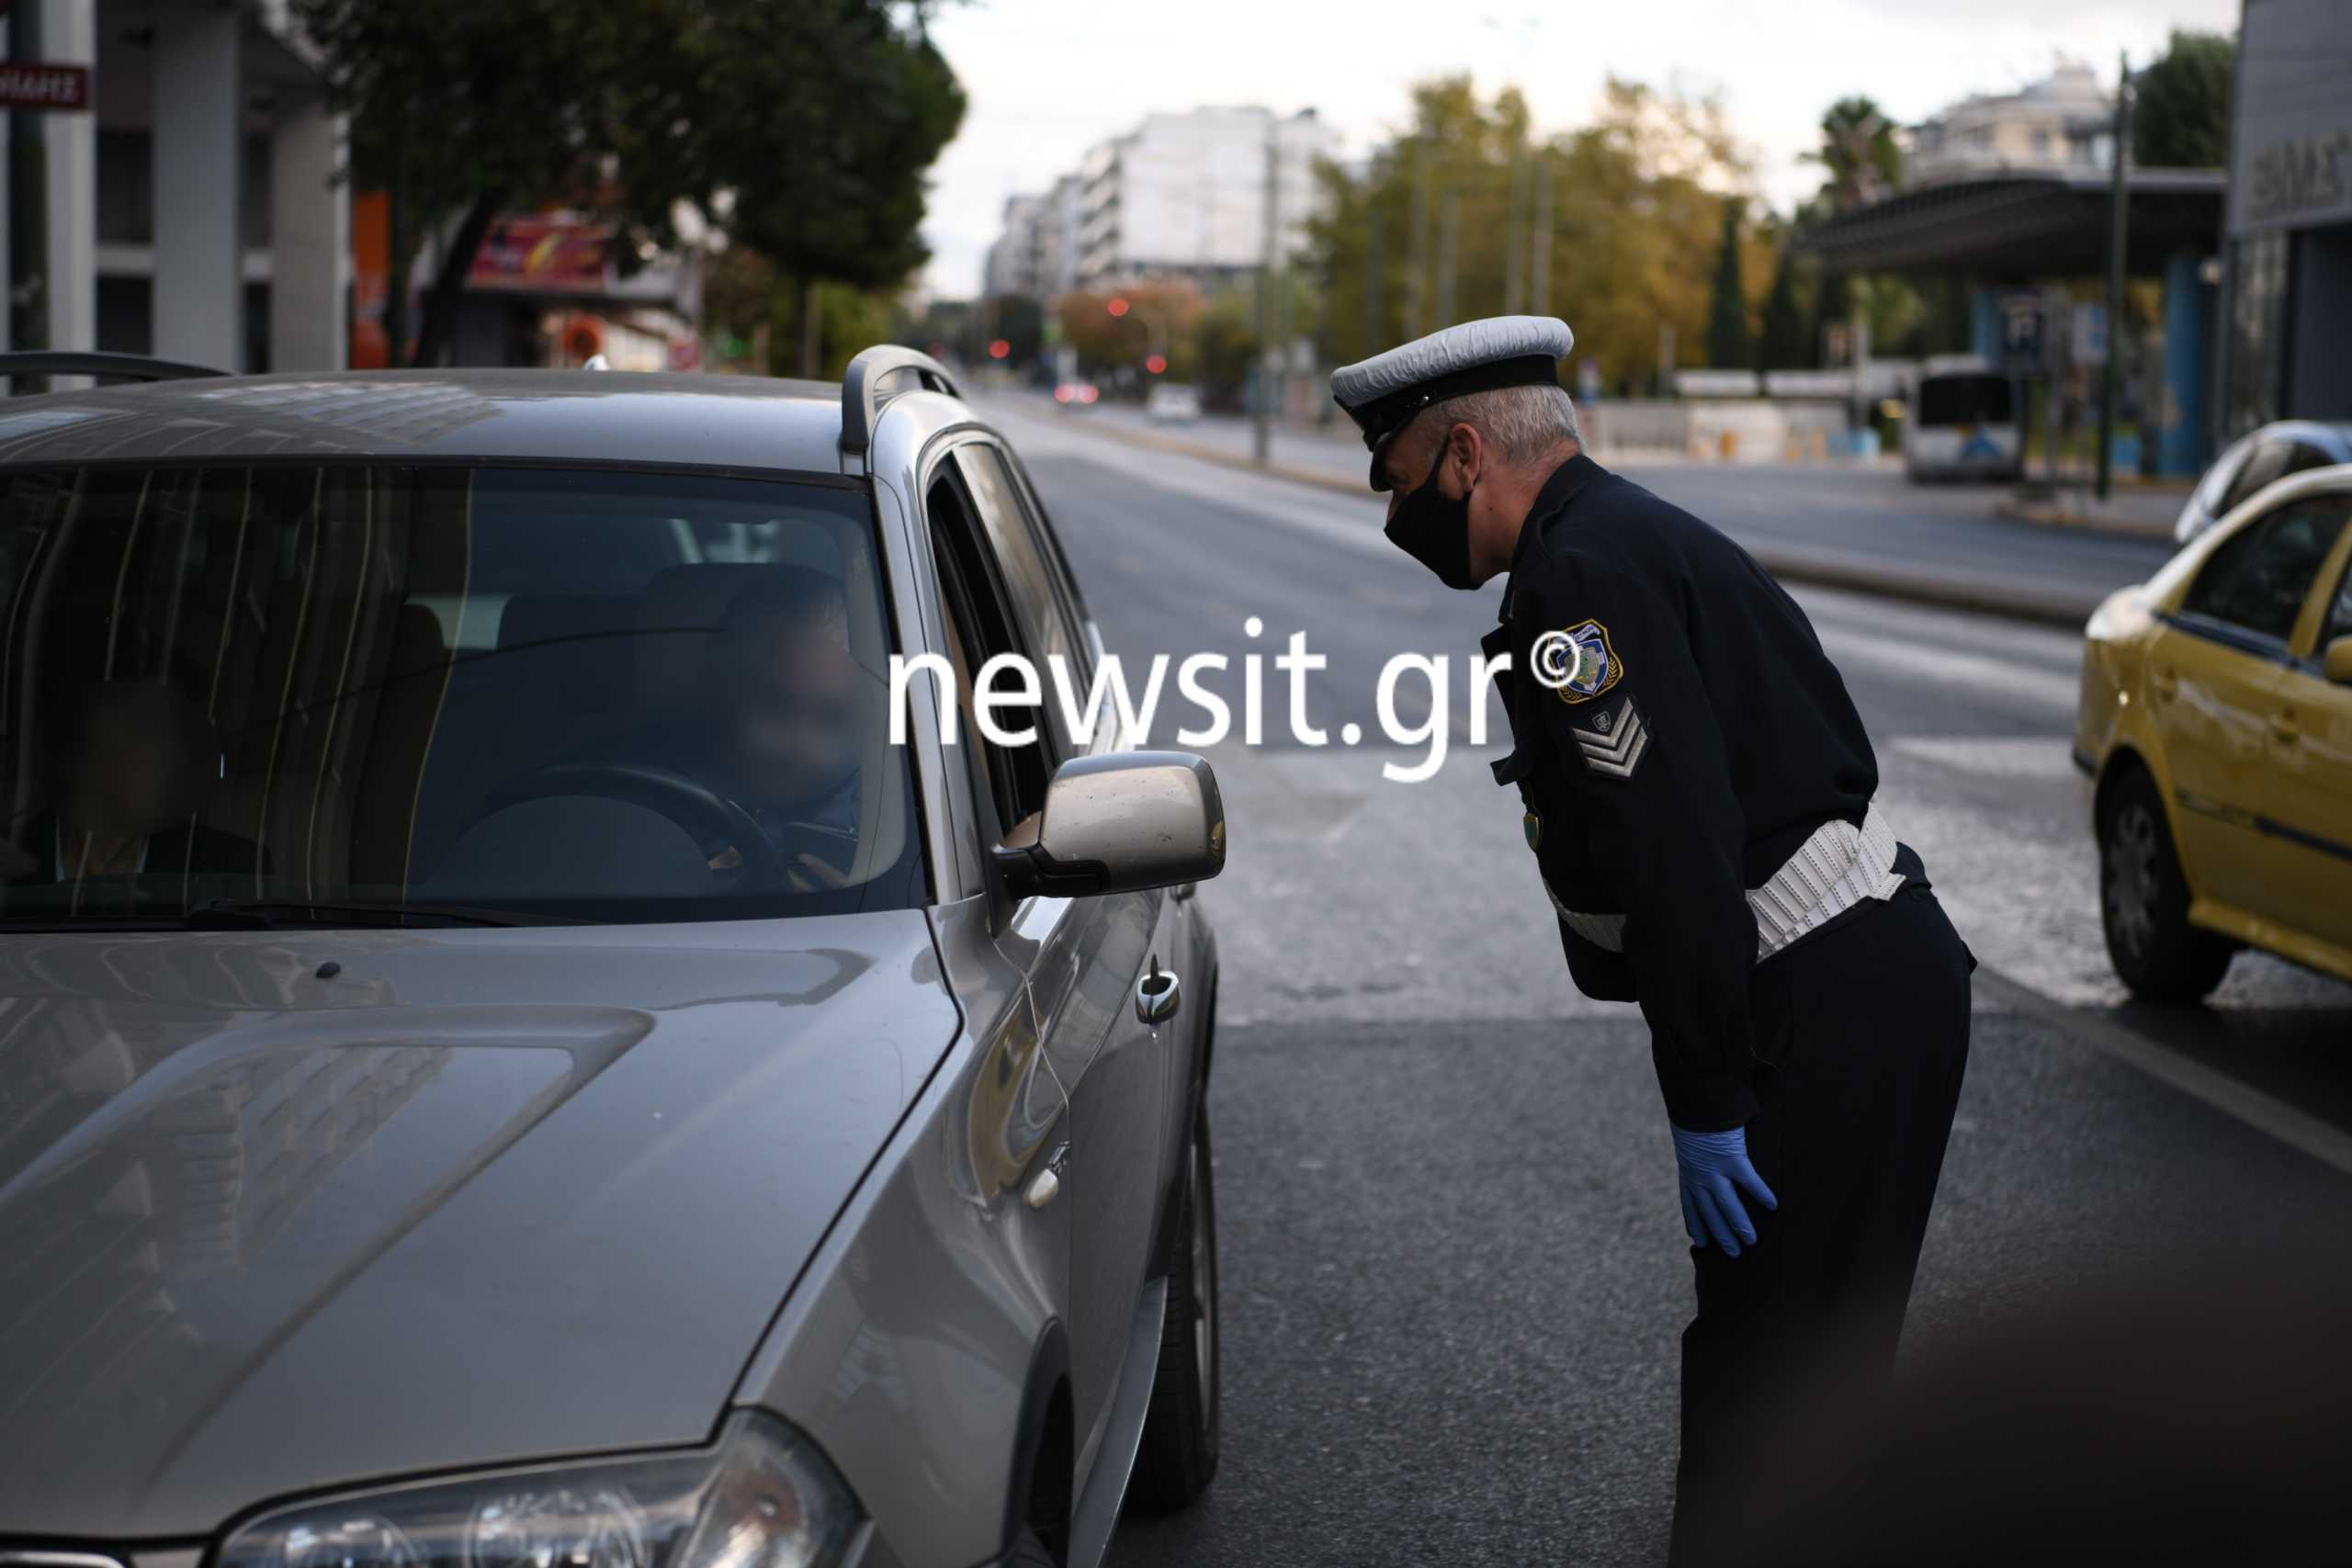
pixel 2143 901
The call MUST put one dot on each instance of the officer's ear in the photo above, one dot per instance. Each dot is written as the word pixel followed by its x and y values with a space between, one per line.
pixel 1465 452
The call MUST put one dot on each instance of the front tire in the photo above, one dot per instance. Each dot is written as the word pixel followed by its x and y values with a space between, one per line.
pixel 1177 1458
pixel 2143 902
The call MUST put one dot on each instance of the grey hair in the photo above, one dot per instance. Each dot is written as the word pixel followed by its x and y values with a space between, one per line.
pixel 1521 423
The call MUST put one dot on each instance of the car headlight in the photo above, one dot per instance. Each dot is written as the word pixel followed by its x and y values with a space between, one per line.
pixel 763 1498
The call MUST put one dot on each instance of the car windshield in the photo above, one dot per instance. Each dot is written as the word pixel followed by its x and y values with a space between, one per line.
pixel 356 693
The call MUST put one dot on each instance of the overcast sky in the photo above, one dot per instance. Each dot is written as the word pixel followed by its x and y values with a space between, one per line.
pixel 1048 78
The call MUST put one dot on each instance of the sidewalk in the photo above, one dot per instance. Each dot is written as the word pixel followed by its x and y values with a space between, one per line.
pixel 2146 510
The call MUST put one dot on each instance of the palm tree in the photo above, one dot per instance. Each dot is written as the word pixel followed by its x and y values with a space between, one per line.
pixel 1858 150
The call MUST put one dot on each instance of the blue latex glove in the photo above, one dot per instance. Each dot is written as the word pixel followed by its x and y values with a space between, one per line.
pixel 1714 1172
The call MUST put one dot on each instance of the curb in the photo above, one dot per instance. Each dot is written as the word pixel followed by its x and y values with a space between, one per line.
pixel 1991 596
pixel 2042 515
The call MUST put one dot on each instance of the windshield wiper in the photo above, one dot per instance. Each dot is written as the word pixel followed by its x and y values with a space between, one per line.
pixel 264 914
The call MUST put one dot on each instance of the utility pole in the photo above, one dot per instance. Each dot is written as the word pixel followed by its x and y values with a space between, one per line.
pixel 1262 442
pixel 2116 236
pixel 1514 259
pixel 1539 243
pixel 1448 235
pixel 1375 302
pixel 1417 302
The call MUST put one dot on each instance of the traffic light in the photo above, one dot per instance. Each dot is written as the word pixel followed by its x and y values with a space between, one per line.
pixel 1118 305
pixel 1156 364
pixel 999 348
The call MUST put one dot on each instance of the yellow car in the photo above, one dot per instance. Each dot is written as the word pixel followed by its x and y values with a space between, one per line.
pixel 2216 728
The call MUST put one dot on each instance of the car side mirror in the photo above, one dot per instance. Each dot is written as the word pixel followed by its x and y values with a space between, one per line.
pixel 2337 664
pixel 1119 823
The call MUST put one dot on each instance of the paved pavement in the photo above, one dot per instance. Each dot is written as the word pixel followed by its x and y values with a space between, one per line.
pixel 1452 1268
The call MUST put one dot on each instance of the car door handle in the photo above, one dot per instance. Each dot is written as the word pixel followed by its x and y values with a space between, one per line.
pixel 1157 994
pixel 2284 729
pixel 2165 684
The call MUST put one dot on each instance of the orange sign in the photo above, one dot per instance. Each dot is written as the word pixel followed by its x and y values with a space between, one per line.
pixel 543 254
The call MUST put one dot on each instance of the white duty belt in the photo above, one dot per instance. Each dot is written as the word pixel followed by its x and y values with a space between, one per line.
pixel 1831 872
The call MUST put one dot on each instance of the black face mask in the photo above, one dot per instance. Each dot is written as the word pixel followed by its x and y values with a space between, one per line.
pixel 1434 529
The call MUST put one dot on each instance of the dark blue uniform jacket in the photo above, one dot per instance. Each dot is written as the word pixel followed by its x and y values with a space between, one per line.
pixel 1701 737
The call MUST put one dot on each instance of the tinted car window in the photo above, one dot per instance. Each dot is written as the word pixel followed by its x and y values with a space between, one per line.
pixel 1051 629
pixel 2259 577
pixel 2266 463
pixel 508 689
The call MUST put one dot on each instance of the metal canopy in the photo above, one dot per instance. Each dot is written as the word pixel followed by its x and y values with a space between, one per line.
pixel 2025 225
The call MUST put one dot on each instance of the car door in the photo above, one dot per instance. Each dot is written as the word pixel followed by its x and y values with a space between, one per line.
pixel 1084 958
pixel 2310 807
pixel 2217 689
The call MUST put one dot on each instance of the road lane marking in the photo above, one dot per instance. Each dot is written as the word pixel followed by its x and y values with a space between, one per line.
pixel 2324 1141
pixel 2040 757
pixel 1966 672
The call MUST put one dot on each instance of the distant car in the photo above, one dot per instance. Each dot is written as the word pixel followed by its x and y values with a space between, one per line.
pixel 1963 424
pixel 2253 462
pixel 2216 730
pixel 1172 402
pixel 506 1058
pixel 1077 394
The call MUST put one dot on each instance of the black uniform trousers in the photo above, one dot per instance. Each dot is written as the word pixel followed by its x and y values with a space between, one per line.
pixel 1863 1033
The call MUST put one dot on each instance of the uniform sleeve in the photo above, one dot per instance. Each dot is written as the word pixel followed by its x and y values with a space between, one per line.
pixel 1634 735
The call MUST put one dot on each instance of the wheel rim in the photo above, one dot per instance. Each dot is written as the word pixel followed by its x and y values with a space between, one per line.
pixel 2131 878
pixel 1204 1242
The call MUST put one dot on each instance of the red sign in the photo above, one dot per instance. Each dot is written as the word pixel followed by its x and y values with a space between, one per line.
pixel 26 84
pixel 561 255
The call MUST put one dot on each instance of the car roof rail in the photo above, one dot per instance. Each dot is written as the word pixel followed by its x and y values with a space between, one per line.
pixel 88 362
pixel 876 376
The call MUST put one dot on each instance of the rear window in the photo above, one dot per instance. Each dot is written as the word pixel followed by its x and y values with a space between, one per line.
pixel 497 693
pixel 1965 400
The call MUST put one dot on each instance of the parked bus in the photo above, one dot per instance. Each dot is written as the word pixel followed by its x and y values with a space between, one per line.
pixel 1964 422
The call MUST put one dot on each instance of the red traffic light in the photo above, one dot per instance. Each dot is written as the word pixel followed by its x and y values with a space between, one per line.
pixel 1118 305
pixel 999 348
pixel 1156 364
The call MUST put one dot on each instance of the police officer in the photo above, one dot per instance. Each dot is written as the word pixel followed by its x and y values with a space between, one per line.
pixel 1697 793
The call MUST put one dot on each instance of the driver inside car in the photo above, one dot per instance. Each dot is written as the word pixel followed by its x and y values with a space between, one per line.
pixel 779 735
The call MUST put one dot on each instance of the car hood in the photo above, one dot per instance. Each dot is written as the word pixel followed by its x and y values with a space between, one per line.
pixel 477 1196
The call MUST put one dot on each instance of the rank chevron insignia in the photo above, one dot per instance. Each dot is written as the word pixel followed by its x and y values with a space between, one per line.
pixel 1618 754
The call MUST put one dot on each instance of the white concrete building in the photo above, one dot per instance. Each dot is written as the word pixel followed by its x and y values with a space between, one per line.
pixel 191 211
pixel 1183 195
pixel 2065 122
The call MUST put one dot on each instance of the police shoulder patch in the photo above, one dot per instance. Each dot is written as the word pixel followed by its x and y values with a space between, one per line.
pixel 1613 740
pixel 1594 666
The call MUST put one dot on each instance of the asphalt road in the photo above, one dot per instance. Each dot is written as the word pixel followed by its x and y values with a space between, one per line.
pixel 1453 1269
pixel 1837 518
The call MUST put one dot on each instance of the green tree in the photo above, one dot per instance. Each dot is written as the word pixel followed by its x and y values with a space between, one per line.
pixel 461 110
pixel 819 119
pixel 1787 342
pixel 1634 195
pixel 1858 154
pixel 1730 345
pixel 2181 120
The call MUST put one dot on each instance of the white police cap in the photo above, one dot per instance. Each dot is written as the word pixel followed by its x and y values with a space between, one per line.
pixel 1382 394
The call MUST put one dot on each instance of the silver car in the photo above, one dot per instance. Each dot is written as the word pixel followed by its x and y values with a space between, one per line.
pixel 514 1054
pixel 2254 462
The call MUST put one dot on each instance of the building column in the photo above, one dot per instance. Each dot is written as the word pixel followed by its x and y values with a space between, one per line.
pixel 2189 317
pixel 199 238
pixel 309 237
pixel 69 35
pixel 1985 325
